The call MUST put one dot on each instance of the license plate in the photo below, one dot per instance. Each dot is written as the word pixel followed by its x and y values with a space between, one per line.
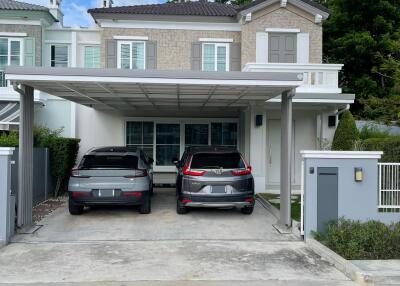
pixel 218 189
pixel 106 193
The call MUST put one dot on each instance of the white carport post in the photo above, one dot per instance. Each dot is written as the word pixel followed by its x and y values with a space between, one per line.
pixel 286 158
pixel 25 156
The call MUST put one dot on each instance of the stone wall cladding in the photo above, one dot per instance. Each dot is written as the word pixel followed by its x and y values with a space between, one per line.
pixel 281 18
pixel 32 31
pixel 173 46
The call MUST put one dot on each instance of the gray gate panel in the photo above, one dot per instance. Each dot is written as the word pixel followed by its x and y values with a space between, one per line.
pixel 327 197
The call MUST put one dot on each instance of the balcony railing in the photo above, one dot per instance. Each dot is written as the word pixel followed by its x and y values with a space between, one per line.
pixel 3 81
pixel 317 78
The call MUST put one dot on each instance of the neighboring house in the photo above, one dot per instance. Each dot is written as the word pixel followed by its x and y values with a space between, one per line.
pixel 281 38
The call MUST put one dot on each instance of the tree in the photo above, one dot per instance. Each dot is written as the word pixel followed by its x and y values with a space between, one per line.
pixel 346 133
pixel 365 36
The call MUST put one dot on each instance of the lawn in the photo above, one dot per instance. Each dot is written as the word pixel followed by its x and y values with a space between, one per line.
pixel 273 199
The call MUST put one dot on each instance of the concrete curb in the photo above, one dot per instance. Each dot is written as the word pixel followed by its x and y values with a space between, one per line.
pixel 275 212
pixel 343 265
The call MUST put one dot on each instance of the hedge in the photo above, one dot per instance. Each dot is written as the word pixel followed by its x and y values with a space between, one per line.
pixel 390 147
pixel 63 152
pixel 346 133
pixel 355 240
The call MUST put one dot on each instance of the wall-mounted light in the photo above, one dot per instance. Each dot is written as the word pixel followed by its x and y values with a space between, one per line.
pixel 358 174
pixel 259 120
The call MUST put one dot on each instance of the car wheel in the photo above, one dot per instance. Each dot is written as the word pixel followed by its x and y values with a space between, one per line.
pixel 247 210
pixel 74 209
pixel 151 190
pixel 180 208
pixel 145 208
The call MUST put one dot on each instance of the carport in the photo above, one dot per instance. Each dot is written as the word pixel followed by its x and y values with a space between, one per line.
pixel 150 90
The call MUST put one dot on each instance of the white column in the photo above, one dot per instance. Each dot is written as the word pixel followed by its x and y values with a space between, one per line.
pixel 258 146
pixel 25 166
pixel 286 158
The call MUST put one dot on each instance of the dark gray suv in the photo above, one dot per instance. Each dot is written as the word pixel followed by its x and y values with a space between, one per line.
pixel 214 177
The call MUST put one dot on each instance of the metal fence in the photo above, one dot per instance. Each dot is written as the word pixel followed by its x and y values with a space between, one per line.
pixel 42 180
pixel 3 81
pixel 389 186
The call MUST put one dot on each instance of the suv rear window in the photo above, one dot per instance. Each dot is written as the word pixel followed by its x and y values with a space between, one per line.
pixel 109 162
pixel 217 161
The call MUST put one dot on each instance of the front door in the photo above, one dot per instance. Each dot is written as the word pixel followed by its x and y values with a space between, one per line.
pixel 274 152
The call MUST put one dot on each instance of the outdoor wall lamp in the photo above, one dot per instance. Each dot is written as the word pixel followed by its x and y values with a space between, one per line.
pixel 358 174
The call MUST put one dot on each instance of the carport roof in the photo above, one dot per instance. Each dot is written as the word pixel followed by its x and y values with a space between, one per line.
pixel 117 89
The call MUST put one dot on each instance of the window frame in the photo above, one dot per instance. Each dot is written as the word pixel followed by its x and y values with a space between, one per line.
pixel 21 49
pixel 68 54
pixel 216 45
pixel 130 42
pixel 84 54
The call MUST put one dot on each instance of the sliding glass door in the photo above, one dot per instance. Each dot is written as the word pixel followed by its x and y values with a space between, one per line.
pixel 167 143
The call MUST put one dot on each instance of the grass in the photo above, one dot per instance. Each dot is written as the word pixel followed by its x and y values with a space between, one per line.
pixel 296 204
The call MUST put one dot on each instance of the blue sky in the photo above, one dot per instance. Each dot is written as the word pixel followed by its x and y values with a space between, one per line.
pixel 75 10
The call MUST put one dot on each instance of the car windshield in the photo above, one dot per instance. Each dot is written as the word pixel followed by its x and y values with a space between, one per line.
pixel 217 161
pixel 109 162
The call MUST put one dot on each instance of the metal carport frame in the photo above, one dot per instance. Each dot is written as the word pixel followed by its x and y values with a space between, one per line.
pixel 116 89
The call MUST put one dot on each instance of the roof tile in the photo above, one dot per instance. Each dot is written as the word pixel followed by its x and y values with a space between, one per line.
pixel 16 5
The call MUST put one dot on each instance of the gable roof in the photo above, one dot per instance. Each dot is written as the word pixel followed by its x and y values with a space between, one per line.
pixel 309 2
pixel 198 8
pixel 16 5
pixel 184 8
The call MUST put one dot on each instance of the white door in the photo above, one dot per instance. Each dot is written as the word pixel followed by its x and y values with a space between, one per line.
pixel 274 152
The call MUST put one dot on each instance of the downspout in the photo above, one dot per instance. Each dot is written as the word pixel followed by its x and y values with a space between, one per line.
pixel 342 110
pixel 17 89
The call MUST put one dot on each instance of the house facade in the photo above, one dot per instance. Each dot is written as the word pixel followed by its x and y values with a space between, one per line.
pixel 175 42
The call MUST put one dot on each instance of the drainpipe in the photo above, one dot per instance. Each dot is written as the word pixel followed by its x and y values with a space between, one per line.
pixel 342 110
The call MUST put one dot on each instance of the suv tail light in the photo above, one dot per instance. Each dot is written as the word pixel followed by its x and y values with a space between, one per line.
pixel 137 173
pixel 75 174
pixel 80 194
pixel 242 172
pixel 186 170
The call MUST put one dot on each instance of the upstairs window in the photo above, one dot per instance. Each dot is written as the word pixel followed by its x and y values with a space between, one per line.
pixel 92 57
pixel 59 56
pixel 215 57
pixel 10 55
pixel 131 55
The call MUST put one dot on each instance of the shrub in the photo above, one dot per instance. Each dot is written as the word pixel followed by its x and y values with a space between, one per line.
pixel 371 131
pixel 355 240
pixel 346 133
pixel 10 140
pixel 63 152
pixel 390 147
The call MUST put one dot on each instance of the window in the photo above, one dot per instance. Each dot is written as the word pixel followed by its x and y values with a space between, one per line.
pixel 217 161
pixel 59 56
pixel 131 55
pixel 196 134
pixel 224 134
pixel 109 162
pixel 92 57
pixel 167 143
pixel 215 57
pixel 10 54
pixel 140 134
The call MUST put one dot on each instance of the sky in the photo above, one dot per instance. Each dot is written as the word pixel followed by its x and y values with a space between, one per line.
pixel 75 11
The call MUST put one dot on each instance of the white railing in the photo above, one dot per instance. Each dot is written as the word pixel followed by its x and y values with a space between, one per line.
pixel 389 185
pixel 317 78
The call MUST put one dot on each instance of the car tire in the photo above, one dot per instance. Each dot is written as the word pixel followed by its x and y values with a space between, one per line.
pixel 145 208
pixel 74 209
pixel 180 208
pixel 247 210
pixel 151 189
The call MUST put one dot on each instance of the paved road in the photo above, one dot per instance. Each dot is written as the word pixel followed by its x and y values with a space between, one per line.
pixel 114 246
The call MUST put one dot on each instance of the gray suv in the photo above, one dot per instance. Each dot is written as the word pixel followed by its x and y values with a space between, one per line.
pixel 214 177
pixel 112 175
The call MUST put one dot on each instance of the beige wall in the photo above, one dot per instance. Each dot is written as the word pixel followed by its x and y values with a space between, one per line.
pixel 173 46
pixel 276 17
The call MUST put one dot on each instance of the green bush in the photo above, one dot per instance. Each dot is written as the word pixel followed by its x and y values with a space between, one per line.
pixel 9 140
pixel 370 131
pixel 390 147
pixel 346 133
pixel 63 152
pixel 354 240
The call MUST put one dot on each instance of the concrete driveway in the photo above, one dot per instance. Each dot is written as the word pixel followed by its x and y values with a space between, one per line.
pixel 118 246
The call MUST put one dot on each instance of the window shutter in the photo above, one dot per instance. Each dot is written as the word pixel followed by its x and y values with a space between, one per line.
pixel 303 48
pixel 29 52
pixel 196 57
pixel 151 55
pixel 111 54
pixel 262 47
pixel 235 57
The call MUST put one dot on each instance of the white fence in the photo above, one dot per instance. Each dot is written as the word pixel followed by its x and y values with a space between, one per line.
pixel 389 186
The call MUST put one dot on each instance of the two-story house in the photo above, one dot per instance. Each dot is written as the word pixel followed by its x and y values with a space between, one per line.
pixel 166 76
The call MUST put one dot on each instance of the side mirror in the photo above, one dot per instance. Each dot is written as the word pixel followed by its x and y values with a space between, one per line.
pixel 151 160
